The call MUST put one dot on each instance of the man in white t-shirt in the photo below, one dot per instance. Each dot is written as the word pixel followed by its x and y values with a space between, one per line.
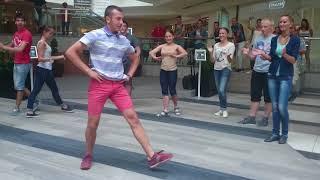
pixel 259 79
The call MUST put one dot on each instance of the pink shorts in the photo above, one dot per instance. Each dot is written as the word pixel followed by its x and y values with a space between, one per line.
pixel 99 93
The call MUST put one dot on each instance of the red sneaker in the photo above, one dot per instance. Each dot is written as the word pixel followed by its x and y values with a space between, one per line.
pixel 86 162
pixel 159 158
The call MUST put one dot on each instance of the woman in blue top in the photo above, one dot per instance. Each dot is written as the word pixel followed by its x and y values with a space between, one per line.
pixel 283 54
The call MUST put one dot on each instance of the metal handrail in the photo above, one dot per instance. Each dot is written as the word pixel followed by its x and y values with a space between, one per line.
pixel 311 38
pixel 80 14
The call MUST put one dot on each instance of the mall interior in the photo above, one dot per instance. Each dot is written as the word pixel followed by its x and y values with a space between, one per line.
pixel 144 15
pixel 206 146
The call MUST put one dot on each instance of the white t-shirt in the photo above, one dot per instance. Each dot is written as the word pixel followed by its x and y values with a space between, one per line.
pixel 220 55
pixel 47 55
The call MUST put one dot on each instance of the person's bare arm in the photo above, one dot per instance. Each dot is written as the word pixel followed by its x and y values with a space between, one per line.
pixel 265 56
pixel 41 48
pixel 211 52
pixel 182 52
pixel 134 64
pixel 11 49
pixel 153 52
pixel 73 54
pixel 138 51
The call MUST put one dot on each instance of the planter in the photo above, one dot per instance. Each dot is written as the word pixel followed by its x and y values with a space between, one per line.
pixel 6 74
pixel 207 86
pixel 58 68
pixel 7 89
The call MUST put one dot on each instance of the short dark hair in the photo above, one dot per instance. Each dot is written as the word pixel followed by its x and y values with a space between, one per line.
pixel 110 8
pixel 259 20
pixel 226 29
pixel 216 22
pixel 20 16
pixel 125 22
pixel 178 17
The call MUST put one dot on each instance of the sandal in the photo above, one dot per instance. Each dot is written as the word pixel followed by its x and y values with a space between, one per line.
pixel 163 114
pixel 177 111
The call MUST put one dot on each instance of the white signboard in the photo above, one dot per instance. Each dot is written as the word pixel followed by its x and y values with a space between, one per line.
pixel 200 55
pixel 130 31
pixel 277 4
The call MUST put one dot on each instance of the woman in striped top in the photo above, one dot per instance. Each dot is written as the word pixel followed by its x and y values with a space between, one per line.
pixel 306 31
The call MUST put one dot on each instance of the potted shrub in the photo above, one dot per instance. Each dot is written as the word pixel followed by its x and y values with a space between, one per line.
pixel 58 65
pixel 207 86
pixel 6 74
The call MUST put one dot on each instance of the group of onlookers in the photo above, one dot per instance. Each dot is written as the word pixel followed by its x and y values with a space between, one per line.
pixel 273 58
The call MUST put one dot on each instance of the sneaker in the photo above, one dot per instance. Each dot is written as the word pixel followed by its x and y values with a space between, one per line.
pixel 159 158
pixel 66 108
pixel 225 114
pixel 177 111
pixel 248 120
pixel 163 114
pixel 264 121
pixel 86 162
pixel 15 111
pixel 219 113
pixel 32 114
pixel 272 138
pixel 283 139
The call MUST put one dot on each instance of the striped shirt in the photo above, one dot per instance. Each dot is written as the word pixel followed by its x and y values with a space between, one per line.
pixel 107 51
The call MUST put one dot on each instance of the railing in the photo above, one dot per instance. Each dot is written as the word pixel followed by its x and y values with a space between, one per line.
pixel 81 20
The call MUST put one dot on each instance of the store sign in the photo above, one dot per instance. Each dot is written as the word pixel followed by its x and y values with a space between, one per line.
pixel 277 4
pixel 82 4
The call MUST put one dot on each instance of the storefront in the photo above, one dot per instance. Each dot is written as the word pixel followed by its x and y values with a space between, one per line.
pixel 7 15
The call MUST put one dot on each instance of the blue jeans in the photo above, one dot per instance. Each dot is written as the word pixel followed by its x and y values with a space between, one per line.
pixel 279 90
pixel 221 78
pixel 65 27
pixel 20 74
pixel 168 80
pixel 44 76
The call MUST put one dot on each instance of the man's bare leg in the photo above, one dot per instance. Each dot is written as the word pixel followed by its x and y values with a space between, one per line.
pixel 19 98
pixel 254 109
pixel 154 159
pixel 27 92
pixel 91 133
pixel 132 118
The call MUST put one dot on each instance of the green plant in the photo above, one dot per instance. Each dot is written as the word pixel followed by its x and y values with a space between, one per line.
pixel 207 66
pixel 54 46
pixel 207 88
pixel 58 66
pixel 6 64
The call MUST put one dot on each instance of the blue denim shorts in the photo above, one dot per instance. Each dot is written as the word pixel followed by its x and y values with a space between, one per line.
pixel 20 73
